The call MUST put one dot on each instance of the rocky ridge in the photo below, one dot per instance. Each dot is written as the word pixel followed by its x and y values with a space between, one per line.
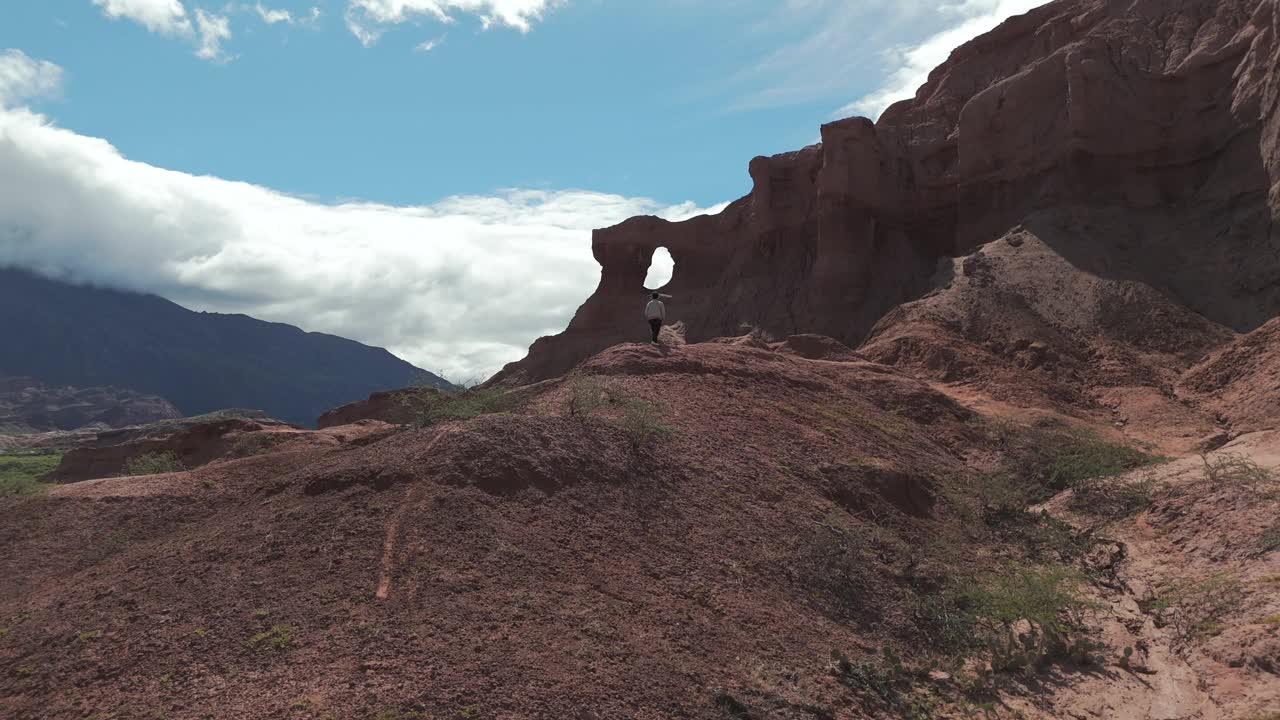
pixel 1137 141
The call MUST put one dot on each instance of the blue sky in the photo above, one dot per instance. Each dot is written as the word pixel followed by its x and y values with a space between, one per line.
pixel 526 123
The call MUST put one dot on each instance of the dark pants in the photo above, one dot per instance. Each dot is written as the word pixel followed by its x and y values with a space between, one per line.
pixel 656 326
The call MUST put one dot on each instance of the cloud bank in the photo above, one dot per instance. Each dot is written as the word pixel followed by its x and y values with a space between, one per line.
pixel 169 17
pixel 460 286
pixel 912 65
pixel 368 19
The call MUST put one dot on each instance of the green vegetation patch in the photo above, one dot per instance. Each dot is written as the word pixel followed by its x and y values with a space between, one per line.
pixel 278 637
pixel 21 473
pixel 640 419
pixel 437 407
pixel 1061 460
pixel 156 463
pixel 1041 462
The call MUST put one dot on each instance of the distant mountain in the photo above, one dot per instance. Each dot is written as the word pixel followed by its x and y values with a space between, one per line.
pixel 30 406
pixel 66 334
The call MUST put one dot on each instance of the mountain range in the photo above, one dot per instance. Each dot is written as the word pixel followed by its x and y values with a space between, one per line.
pixel 62 333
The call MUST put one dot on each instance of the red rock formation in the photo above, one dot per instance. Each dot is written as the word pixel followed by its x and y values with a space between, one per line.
pixel 1241 381
pixel 199 441
pixel 1139 140
pixel 191 443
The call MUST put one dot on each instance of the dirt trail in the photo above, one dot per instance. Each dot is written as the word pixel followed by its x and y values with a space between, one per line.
pixel 411 500
pixel 1207 538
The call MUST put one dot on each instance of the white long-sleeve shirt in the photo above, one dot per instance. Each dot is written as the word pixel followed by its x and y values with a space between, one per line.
pixel 655 310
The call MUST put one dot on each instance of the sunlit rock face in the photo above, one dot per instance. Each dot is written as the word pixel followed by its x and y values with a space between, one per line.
pixel 1138 139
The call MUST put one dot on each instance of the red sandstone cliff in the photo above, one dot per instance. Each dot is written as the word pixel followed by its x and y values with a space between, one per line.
pixel 1140 141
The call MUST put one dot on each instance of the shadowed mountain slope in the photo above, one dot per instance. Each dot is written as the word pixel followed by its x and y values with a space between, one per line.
pixel 83 336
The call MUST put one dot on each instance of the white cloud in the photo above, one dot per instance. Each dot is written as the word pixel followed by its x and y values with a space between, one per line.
pixel 275 16
pixel 429 45
pixel 271 16
pixel 213 31
pixel 167 17
pixel 22 78
pixel 368 19
pixel 460 286
pixel 914 63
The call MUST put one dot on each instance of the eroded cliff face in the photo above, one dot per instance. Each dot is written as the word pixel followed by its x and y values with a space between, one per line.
pixel 1139 140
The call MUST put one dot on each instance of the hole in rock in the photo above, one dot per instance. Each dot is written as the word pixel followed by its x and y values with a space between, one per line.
pixel 661 268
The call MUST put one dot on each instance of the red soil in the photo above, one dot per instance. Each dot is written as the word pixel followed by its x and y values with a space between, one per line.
pixel 526 565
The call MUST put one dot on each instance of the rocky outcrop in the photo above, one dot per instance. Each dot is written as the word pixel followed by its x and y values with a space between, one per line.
pixel 191 441
pixel 1241 381
pixel 1137 140
pixel 398 407
pixel 30 406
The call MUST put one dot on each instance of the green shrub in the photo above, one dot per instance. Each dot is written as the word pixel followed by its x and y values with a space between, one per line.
pixel 587 395
pixel 1047 461
pixel 641 421
pixel 1019 619
pixel 840 566
pixel 1113 498
pixel 441 407
pixel 1072 458
pixel 946 620
pixel 156 463
pixel 886 680
pixel 21 473
pixel 1032 615
pixel 254 443
pixel 1041 536
pixel 1227 472
pixel 1270 539
pixel 1193 608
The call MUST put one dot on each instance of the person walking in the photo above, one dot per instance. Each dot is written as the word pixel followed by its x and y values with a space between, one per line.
pixel 656 313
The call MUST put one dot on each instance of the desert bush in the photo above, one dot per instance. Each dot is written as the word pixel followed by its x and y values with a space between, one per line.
pixel 155 463
pixel 842 566
pixel 887 680
pixel 253 443
pixel 1032 615
pixel 641 421
pixel 1048 461
pixel 1230 471
pixel 587 395
pixel 1113 498
pixel 946 620
pixel 1071 458
pixel 440 407
pixel 1044 538
pixel 1270 539
pixel 883 680
pixel 1017 620
pixel 1194 608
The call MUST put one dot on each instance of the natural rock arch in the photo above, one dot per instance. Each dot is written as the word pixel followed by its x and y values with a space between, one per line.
pixel 662 268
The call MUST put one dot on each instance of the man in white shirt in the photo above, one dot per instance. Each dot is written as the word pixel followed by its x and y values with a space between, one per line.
pixel 656 313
